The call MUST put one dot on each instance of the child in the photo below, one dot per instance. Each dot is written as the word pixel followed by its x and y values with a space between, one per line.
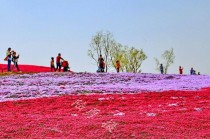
pixel 180 70
pixel 52 66
pixel 118 66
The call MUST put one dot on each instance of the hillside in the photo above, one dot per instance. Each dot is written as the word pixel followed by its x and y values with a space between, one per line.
pixel 26 68
pixel 109 105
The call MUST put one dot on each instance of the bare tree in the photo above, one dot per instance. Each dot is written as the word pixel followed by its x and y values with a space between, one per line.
pixel 96 46
pixel 102 44
pixel 108 46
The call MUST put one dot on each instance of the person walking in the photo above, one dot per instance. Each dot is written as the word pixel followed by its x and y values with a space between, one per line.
pixel 161 68
pixel 58 62
pixel 180 70
pixel 118 66
pixel 52 65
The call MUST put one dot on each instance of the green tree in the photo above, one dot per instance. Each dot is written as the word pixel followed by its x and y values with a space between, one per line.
pixel 130 59
pixel 168 57
pixel 104 44
pixel 134 59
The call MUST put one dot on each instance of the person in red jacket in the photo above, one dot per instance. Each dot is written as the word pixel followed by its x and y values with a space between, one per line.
pixel 180 70
pixel 58 62
pixel 65 65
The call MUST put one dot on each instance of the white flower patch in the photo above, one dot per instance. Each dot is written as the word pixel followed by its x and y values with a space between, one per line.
pixel 183 109
pixel 74 115
pixel 174 97
pixel 173 105
pixel 151 114
pixel 119 114
pixel 198 109
pixel 101 99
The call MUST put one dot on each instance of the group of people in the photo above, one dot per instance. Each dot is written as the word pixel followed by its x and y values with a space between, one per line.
pixel 60 62
pixel 192 71
pixel 102 64
pixel 11 56
pixel 101 67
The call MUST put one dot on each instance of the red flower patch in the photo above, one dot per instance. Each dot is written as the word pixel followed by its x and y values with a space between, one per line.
pixel 171 114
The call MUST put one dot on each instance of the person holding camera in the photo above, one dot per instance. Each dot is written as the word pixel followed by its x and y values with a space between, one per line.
pixel 15 60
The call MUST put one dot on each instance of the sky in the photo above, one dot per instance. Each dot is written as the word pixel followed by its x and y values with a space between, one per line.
pixel 40 29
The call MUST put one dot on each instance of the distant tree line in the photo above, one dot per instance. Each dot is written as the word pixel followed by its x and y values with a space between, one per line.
pixel 131 58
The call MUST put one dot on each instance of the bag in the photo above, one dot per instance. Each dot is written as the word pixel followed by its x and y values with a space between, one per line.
pixel 6 58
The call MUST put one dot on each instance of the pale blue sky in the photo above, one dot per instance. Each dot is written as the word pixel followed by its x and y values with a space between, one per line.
pixel 39 29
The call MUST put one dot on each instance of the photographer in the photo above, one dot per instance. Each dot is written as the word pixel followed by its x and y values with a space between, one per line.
pixel 15 60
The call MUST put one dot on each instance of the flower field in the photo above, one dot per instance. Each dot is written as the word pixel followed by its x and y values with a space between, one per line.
pixel 26 68
pixel 88 105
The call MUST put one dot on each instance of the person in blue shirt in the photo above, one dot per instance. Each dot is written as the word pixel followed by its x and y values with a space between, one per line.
pixel 9 60
pixel 192 71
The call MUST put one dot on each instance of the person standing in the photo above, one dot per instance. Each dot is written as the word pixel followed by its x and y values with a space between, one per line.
pixel 180 70
pixel 58 62
pixel 7 54
pixel 118 66
pixel 9 60
pixel 103 65
pixel 100 64
pixel 161 68
pixel 192 71
pixel 15 60
pixel 52 65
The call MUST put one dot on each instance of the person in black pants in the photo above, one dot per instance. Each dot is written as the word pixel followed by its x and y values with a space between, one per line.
pixel 58 62
pixel 15 60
